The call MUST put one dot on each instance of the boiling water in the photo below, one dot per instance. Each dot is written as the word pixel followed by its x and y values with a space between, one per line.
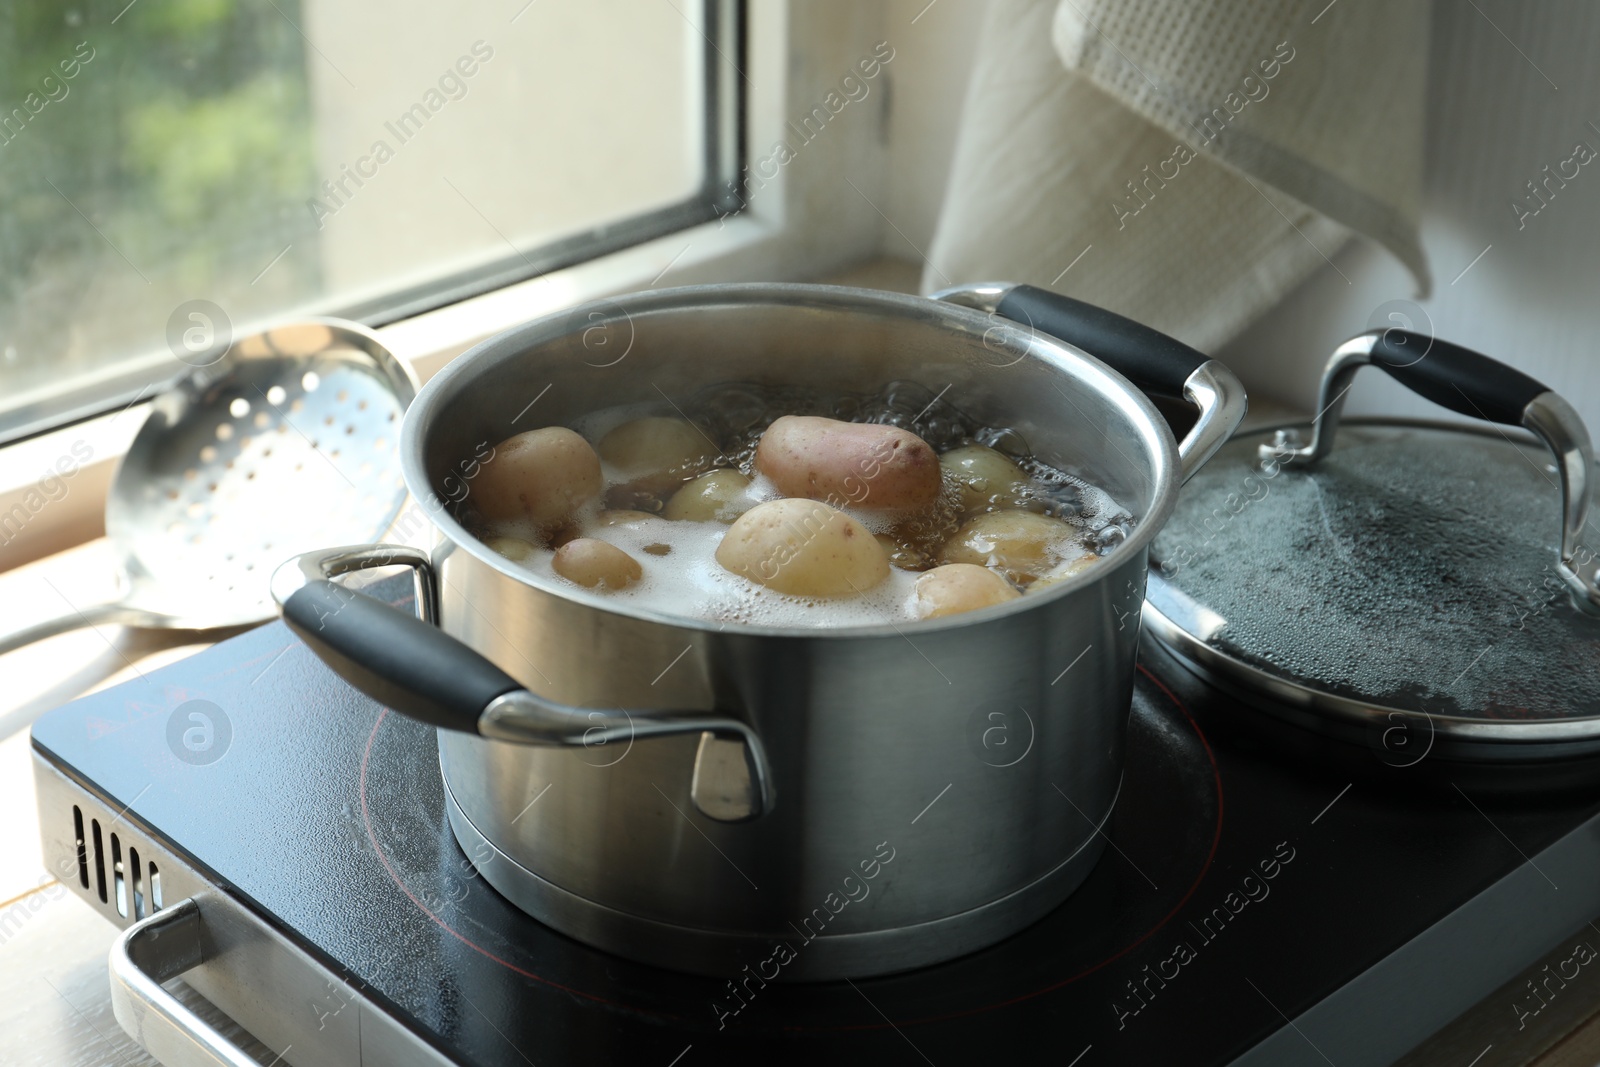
pixel 681 574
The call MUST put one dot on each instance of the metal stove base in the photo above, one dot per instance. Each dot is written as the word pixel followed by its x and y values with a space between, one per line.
pixel 178 922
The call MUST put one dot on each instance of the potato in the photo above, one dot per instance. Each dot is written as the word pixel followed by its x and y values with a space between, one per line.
pixel 657 453
pixel 803 548
pixel 985 477
pixel 512 548
pixel 713 497
pixel 596 564
pixel 849 464
pixel 957 587
pixel 541 475
pixel 1063 571
pixel 1020 544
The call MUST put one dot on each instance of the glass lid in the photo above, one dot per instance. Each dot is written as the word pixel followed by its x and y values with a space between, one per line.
pixel 1416 568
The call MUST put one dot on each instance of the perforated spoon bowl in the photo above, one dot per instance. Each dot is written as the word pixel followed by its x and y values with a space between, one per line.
pixel 285 444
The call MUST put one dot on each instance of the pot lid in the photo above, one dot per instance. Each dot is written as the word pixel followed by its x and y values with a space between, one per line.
pixel 1407 572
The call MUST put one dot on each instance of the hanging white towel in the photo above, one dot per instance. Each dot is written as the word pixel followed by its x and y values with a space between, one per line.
pixel 1185 162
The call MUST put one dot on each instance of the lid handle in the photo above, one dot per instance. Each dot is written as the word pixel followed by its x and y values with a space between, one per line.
pixel 1468 383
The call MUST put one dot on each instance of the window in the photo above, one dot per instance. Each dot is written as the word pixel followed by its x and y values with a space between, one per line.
pixel 161 160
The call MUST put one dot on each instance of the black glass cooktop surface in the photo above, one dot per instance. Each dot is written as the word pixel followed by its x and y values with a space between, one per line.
pixel 1244 887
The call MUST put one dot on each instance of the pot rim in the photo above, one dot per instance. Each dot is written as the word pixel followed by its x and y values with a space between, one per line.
pixel 547 328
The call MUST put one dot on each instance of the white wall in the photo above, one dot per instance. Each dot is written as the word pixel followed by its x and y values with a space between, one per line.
pixel 1494 122
pixel 934 47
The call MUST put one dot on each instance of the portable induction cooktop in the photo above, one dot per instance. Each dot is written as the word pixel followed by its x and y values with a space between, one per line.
pixel 282 842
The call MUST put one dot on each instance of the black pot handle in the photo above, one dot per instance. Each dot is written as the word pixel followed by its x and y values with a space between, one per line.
pixel 1148 358
pixel 1151 360
pixel 1472 384
pixel 407 663
pixel 396 658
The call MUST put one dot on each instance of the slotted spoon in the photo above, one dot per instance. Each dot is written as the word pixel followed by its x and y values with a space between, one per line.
pixel 285 444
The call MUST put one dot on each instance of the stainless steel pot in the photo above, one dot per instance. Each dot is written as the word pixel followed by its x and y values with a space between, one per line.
pixel 809 804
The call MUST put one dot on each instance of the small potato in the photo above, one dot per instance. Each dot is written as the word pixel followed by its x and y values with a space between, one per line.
pixel 1021 544
pixel 596 564
pixel 1060 573
pixel 957 587
pixel 849 464
pixel 657 453
pixel 713 497
pixel 803 548
pixel 542 475
pixel 512 548
pixel 985 477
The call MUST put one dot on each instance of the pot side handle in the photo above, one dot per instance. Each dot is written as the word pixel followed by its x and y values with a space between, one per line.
pixel 396 658
pixel 407 663
pixel 1151 360
pixel 1472 384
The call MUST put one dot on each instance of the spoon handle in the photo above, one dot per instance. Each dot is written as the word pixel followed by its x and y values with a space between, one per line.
pixel 73 618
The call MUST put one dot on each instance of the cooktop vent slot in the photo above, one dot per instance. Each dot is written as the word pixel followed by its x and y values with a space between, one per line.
pixel 136 883
pixel 99 861
pixel 83 846
pixel 119 876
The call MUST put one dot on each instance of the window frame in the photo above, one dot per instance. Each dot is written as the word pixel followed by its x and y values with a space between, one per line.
pixel 139 374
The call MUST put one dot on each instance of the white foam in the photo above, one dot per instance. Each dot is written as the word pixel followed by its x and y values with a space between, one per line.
pixel 688 580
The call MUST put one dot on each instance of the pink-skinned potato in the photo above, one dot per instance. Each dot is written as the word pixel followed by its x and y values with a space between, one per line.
pixel 849 464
